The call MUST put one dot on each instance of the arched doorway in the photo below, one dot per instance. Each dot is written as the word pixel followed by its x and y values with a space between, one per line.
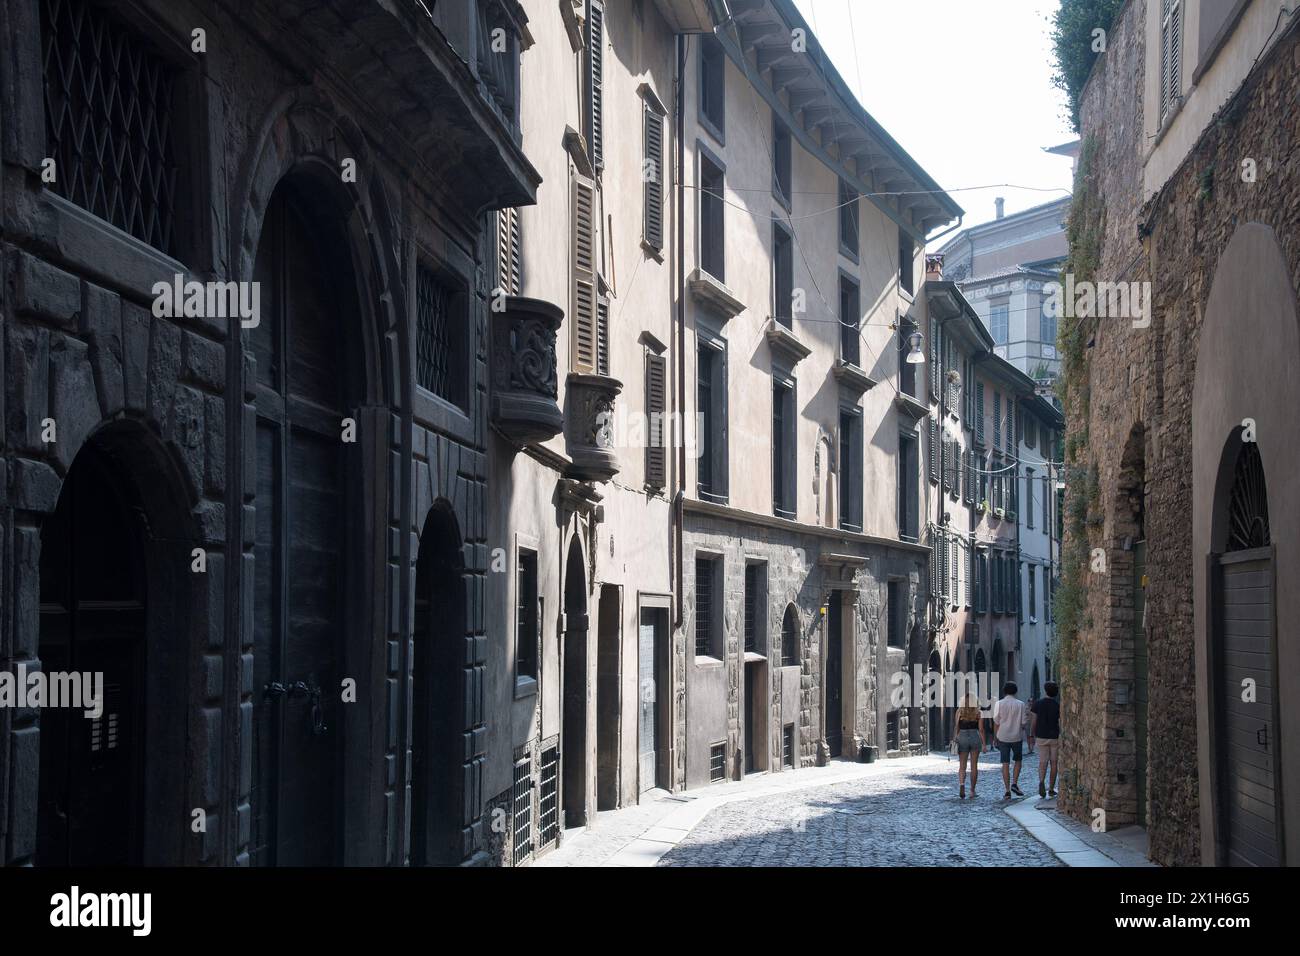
pixel 437 705
pixel 573 739
pixel 114 569
pixel 1244 668
pixel 308 581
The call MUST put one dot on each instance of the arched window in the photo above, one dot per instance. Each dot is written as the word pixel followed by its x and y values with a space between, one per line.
pixel 790 637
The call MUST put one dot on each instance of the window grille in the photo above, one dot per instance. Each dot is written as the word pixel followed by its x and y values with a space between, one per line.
pixel 717 763
pixel 548 810
pixel 439 338
pixel 521 799
pixel 108 116
pixel 751 607
pixel 790 638
pixel 787 745
pixel 891 730
pixel 703 607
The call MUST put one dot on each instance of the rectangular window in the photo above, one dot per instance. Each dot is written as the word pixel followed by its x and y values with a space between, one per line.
pixel 906 486
pixel 1171 54
pixel 999 321
pixel 848 197
pixel 782 158
pixel 705 611
pixel 906 256
pixel 996 562
pixel 752 596
pixel 526 617
pixel 656 390
pixel 971 584
pixel 1033 591
pixel 894 612
pixel 954 565
pixel 594 82
pixel 583 293
pixel 979 413
pixel 784 448
pixel 1047 502
pixel 112 109
pixel 981 582
pixel 713 69
pixel 850 470
pixel 712 191
pixel 654 178
pixel 850 317
pixel 906 369
pixel 711 405
pixel 1046 324
pixel 782 276
pixel 521 812
pixel 441 335
pixel 1029 498
pixel 892 730
pixel 997 420
pixel 548 798
pixel 717 763
pixel 935 359
pixel 787 745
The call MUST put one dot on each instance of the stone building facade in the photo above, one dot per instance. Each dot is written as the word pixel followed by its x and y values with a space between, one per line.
pixel 224 511
pixel 1188 187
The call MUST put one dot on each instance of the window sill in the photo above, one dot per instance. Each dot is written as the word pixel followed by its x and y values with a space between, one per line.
pixel 849 253
pixel 717 132
pixel 654 253
pixel 704 660
pixel 711 291
pixel 525 687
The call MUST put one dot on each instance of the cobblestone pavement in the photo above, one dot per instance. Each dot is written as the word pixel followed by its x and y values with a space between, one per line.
pixel 909 818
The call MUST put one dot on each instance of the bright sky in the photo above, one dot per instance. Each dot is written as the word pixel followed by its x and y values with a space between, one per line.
pixel 965 86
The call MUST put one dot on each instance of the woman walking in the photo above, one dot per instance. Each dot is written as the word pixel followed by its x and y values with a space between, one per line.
pixel 970 741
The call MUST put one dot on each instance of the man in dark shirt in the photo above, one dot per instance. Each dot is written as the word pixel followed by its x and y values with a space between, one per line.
pixel 1045 724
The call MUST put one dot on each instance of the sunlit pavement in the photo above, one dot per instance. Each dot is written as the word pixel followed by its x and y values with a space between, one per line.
pixel 903 812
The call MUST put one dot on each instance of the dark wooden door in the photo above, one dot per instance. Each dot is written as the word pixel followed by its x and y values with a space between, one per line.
pixel 751 714
pixel 1247 738
pixel 834 677
pixel 92 620
pixel 301 536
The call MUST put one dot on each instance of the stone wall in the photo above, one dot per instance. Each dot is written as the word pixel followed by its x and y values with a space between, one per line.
pixel 1137 429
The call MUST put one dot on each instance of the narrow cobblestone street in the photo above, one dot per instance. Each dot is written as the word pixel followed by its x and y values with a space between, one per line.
pixel 895 813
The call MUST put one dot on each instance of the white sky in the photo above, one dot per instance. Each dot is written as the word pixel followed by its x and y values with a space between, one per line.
pixel 963 85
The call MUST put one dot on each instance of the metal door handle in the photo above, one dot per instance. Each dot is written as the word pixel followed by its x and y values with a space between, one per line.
pixel 1261 736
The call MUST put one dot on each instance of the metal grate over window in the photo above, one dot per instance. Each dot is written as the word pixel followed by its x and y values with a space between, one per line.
pixel 751 607
pixel 439 337
pixel 703 607
pixel 521 811
pixel 548 809
pixel 787 745
pixel 108 116
pixel 717 763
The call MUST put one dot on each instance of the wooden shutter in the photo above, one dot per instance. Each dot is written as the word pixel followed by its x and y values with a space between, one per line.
pixel 969 490
pixel 654 178
pixel 954 564
pixel 979 413
pixel 595 82
pixel 583 310
pixel 934 449
pixel 655 404
pixel 602 335
pixel 997 420
pixel 936 544
pixel 970 569
pixel 509 252
pixel 934 358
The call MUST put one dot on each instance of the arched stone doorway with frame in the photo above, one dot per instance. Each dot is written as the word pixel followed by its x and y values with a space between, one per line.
pixel 1245 537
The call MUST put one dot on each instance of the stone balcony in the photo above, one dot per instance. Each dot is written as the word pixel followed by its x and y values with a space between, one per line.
pixel 589 426
pixel 524 404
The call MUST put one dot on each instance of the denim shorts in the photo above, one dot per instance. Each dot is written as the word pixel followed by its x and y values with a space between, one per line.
pixel 968 741
pixel 1007 750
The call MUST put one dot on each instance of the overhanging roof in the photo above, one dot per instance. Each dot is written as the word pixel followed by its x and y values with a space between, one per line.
pixel 804 88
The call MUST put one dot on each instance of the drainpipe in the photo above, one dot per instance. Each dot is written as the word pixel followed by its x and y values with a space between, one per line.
pixel 679 503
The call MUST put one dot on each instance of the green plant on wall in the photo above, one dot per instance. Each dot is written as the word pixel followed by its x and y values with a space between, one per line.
pixel 1076 45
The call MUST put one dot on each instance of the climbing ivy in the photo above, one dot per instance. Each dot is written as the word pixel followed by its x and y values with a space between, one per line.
pixel 1075 45
pixel 1069 609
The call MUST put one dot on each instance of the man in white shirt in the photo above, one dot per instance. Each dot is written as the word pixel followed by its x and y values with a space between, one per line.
pixel 1009 730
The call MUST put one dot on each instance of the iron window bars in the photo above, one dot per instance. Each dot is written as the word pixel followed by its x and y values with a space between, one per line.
pixel 108 120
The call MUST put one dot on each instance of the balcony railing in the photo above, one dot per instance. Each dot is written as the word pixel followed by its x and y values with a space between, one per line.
pixel 589 426
pixel 524 387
